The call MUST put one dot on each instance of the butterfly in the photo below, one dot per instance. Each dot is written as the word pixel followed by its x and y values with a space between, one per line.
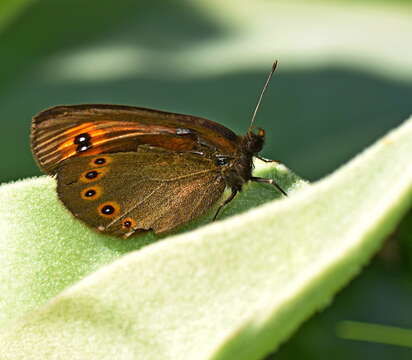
pixel 124 170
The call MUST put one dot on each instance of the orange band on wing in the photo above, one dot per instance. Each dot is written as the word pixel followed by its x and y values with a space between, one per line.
pixel 103 136
pixel 72 133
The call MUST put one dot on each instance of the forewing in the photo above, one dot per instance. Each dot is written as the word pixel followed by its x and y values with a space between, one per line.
pixel 151 189
pixel 56 132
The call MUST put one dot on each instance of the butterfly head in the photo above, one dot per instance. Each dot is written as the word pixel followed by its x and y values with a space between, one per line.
pixel 253 141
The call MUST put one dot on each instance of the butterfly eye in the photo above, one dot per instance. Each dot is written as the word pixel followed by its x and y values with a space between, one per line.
pixel 108 209
pixel 100 161
pixel 93 175
pixel 128 223
pixel 91 193
pixel 261 133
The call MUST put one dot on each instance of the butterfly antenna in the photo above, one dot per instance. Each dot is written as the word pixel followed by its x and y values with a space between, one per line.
pixel 275 64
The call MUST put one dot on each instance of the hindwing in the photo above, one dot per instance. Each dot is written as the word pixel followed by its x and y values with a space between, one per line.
pixel 151 189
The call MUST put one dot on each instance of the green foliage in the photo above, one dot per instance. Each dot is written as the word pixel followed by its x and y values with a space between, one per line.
pixel 9 9
pixel 375 333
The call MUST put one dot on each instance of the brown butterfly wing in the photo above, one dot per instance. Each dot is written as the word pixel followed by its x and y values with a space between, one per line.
pixel 64 132
pixel 130 192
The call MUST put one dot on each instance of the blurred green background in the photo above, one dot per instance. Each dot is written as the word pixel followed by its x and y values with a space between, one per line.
pixel 344 79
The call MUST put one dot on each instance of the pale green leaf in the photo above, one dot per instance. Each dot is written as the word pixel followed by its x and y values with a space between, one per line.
pixel 44 249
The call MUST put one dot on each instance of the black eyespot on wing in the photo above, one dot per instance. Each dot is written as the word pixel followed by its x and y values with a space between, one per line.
pixel 128 223
pixel 83 142
pixel 91 174
pixel 83 147
pixel 91 193
pixel 100 161
pixel 109 209
pixel 83 138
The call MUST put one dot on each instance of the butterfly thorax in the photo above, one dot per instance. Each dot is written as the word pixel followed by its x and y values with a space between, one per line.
pixel 241 170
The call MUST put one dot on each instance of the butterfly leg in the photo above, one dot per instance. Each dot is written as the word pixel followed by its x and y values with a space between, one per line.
pixel 132 232
pixel 227 201
pixel 268 181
